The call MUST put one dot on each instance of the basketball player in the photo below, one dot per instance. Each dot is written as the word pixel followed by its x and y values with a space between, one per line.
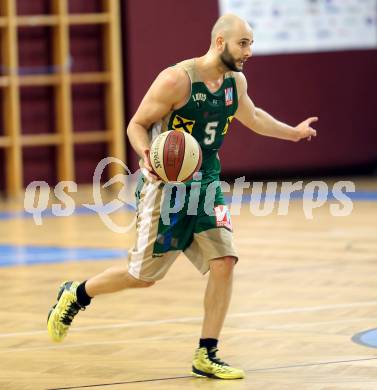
pixel 201 96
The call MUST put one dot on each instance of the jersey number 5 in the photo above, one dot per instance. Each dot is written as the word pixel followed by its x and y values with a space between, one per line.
pixel 210 130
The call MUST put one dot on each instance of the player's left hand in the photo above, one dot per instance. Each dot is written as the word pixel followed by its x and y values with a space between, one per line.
pixel 304 129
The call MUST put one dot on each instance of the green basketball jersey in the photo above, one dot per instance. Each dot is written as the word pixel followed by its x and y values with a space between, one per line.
pixel 206 116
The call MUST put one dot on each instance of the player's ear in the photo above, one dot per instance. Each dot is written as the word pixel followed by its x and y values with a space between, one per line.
pixel 220 43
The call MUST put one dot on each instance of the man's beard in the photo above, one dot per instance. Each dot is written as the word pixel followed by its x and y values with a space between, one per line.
pixel 228 60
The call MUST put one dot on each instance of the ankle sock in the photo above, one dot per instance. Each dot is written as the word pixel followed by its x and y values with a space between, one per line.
pixel 208 343
pixel 82 296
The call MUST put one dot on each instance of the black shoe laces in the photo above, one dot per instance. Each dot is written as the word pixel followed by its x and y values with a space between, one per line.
pixel 212 356
pixel 71 311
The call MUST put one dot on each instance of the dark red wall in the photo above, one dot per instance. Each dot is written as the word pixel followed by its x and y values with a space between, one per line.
pixel 338 87
pixel 159 34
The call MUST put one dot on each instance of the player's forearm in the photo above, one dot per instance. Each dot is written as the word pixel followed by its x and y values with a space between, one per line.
pixel 265 124
pixel 139 137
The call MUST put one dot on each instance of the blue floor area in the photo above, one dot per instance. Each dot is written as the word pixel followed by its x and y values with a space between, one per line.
pixel 367 338
pixel 360 196
pixel 12 255
pixel 7 215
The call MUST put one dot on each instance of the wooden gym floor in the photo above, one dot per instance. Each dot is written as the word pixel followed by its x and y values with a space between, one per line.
pixel 303 288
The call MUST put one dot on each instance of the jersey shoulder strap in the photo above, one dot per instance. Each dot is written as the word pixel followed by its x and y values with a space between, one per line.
pixel 189 67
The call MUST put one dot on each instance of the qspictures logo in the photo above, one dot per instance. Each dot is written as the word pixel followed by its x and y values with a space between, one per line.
pixel 261 198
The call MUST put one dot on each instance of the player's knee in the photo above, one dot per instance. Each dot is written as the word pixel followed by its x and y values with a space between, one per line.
pixel 223 266
pixel 144 283
pixel 139 283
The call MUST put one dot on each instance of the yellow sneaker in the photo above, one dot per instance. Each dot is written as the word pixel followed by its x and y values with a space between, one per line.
pixel 61 314
pixel 207 364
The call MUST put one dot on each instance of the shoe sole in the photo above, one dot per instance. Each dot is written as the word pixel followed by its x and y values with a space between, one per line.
pixel 49 328
pixel 202 374
pixel 61 289
pixel 50 312
pixel 60 292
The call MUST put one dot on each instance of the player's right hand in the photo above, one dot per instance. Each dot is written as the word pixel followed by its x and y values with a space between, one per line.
pixel 146 167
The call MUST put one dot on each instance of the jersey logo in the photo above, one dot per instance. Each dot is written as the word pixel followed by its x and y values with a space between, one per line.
pixel 229 96
pixel 228 121
pixel 222 214
pixel 183 124
pixel 199 96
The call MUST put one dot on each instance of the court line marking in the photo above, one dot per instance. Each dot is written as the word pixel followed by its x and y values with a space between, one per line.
pixel 308 324
pixel 122 383
pixel 191 377
pixel 167 337
pixel 193 319
pixel 116 342
pixel 171 337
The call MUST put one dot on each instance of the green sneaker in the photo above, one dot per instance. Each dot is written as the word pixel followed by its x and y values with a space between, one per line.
pixel 207 364
pixel 61 314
